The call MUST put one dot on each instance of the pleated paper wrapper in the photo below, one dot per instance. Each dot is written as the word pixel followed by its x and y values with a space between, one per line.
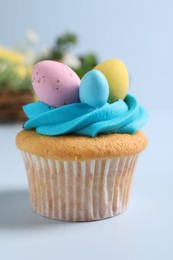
pixel 79 190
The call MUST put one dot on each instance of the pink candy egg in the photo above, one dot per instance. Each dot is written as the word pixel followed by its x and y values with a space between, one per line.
pixel 55 83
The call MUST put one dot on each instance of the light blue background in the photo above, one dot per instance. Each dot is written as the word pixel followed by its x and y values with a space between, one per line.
pixel 138 32
pixel 141 34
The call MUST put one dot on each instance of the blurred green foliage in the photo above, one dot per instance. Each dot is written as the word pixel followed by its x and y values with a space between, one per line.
pixel 63 44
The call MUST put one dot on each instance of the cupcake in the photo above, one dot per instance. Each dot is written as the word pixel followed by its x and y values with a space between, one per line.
pixel 81 141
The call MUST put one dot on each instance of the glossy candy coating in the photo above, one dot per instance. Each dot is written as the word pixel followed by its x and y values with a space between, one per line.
pixel 55 83
pixel 94 89
pixel 117 76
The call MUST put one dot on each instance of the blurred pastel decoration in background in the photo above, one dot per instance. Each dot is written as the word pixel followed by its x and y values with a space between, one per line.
pixel 14 71
pixel 16 65
pixel 15 78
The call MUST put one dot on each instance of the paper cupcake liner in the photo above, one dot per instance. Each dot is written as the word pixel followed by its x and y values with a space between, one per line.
pixel 79 191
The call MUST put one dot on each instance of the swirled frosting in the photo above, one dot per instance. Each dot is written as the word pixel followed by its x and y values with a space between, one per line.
pixel 122 116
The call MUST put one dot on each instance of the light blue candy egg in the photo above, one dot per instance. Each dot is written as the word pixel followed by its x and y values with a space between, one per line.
pixel 94 89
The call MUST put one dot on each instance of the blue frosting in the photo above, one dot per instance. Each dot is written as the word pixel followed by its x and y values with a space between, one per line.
pixel 78 118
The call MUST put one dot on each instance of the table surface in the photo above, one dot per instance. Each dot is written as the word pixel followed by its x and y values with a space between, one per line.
pixel 144 231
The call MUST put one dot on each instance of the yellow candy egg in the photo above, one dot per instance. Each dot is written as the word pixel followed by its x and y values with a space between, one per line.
pixel 116 74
